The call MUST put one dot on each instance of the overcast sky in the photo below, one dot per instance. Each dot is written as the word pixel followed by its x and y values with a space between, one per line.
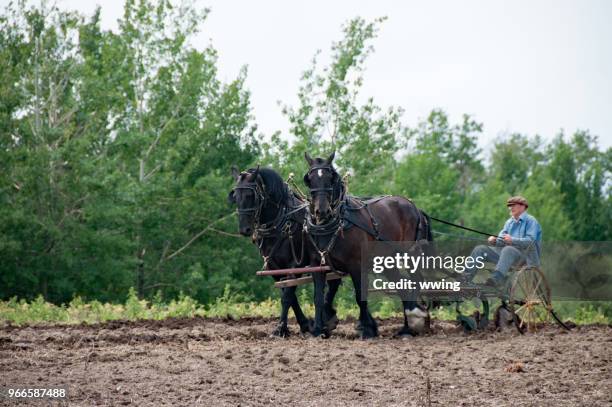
pixel 520 66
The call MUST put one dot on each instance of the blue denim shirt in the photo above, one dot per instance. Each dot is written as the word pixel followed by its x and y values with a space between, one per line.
pixel 524 232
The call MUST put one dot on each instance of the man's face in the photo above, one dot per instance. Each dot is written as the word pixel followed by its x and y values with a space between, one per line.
pixel 516 210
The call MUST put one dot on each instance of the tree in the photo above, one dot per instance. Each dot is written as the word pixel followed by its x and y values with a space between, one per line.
pixel 116 177
pixel 582 173
pixel 329 116
pixel 442 166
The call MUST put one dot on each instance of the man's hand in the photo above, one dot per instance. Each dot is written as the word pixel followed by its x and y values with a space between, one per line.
pixel 492 240
pixel 508 239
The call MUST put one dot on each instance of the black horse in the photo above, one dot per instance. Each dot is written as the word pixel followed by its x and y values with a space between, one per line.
pixel 274 216
pixel 329 224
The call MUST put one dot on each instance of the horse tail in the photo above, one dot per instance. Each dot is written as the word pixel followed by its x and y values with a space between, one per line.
pixel 428 235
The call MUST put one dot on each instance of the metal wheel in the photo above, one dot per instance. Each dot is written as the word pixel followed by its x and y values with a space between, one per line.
pixel 530 300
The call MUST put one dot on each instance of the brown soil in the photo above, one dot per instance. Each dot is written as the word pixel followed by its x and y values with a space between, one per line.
pixel 222 362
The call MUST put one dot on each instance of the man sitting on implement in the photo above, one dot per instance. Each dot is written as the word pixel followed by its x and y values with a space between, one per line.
pixel 518 241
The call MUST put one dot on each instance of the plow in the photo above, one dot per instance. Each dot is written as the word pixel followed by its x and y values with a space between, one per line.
pixel 527 300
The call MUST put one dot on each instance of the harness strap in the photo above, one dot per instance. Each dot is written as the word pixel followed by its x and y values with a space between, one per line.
pixel 373 232
pixel 374 222
pixel 295 257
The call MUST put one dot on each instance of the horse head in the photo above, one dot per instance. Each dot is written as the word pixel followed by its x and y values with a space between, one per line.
pixel 259 194
pixel 249 198
pixel 325 185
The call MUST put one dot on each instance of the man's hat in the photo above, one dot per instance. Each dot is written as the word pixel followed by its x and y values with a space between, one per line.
pixel 517 200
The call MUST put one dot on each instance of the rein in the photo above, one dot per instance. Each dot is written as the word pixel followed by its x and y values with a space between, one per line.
pixel 463 227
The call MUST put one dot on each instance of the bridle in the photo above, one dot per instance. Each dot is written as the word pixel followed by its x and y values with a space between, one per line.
pixel 329 191
pixel 260 198
pixel 276 228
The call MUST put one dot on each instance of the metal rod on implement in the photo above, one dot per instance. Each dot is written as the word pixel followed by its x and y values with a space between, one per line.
pixel 293 282
pixel 299 270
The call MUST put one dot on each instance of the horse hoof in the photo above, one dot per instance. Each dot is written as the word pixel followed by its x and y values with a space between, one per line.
pixel 321 333
pixel 369 332
pixel 368 335
pixel 307 327
pixel 281 332
pixel 406 332
pixel 417 320
pixel 331 323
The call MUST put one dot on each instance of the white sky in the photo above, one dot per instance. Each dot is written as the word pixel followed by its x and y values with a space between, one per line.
pixel 520 66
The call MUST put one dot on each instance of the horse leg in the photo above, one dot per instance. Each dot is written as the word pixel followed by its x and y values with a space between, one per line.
pixel 319 292
pixel 416 320
pixel 412 313
pixel 304 322
pixel 329 313
pixel 282 330
pixel 369 328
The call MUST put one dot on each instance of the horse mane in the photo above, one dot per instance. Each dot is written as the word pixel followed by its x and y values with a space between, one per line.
pixel 275 186
pixel 339 187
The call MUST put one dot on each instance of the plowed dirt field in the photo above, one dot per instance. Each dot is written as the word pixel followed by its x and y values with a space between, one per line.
pixel 204 362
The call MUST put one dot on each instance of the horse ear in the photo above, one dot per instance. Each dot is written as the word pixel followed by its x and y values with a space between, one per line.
pixel 231 197
pixel 235 172
pixel 331 157
pixel 308 158
pixel 253 174
pixel 258 178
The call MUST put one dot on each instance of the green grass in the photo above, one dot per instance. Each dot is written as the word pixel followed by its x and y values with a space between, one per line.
pixel 38 311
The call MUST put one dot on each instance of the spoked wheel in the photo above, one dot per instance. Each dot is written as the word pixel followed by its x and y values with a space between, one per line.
pixel 530 300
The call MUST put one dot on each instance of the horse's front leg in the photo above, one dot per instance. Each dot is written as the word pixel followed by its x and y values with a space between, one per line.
pixel 304 322
pixel 319 292
pixel 282 330
pixel 331 320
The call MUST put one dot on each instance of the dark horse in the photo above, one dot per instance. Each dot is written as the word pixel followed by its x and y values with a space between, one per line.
pixel 329 224
pixel 274 216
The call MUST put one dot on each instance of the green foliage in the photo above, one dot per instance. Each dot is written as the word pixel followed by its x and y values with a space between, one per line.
pixel 588 314
pixel 583 173
pixel 113 178
pixel 38 311
pixel 330 116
